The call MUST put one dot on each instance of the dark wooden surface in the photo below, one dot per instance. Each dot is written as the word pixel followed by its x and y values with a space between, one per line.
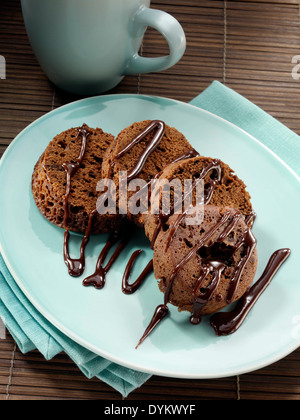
pixel 249 46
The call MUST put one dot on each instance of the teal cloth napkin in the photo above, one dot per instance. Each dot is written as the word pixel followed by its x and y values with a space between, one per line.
pixel 32 331
pixel 233 107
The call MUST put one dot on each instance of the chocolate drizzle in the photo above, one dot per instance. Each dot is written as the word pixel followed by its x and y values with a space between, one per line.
pixel 208 192
pixel 250 219
pixel 127 288
pixel 151 184
pixel 160 313
pixel 249 242
pixel 193 252
pixel 188 155
pixel 139 165
pixel 216 267
pixel 72 168
pixel 225 323
pixel 75 266
pixel 98 279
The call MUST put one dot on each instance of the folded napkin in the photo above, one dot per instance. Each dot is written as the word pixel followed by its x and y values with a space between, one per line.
pixel 32 331
pixel 233 107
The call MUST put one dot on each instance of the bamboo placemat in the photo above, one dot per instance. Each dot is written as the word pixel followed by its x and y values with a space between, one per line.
pixel 249 46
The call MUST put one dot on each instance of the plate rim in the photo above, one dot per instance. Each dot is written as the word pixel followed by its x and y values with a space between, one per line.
pixel 82 342
pixel 141 96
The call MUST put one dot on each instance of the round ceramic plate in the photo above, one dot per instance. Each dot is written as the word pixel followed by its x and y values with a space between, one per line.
pixel 110 323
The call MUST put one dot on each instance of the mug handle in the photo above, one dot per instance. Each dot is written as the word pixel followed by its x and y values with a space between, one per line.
pixel 171 30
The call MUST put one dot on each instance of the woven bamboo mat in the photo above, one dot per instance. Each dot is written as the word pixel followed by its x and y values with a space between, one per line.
pixel 249 46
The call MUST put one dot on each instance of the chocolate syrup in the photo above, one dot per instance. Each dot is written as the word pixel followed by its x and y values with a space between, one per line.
pixel 75 266
pixel 98 279
pixel 216 267
pixel 189 154
pixel 72 168
pixel 249 242
pixel 224 219
pixel 225 323
pixel 160 313
pixel 250 219
pixel 163 218
pixel 201 300
pixel 139 165
pixel 127 288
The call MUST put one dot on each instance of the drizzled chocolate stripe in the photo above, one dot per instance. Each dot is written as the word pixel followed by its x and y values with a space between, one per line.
pixel 189 154
pixel 160 313
pixel 75 266
pixel 249 241
pixel 139 165
pixel 162 310
pixel 215 165
pixel 216 266
pixel 224 219
pixel 127 288
pixel 98 279
pixel 72 168
pixel 250 219
pixel 225 323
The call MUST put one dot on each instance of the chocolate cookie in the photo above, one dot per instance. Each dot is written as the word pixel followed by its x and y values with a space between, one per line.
pixel 202 268
pixel 220 186
pixel 143 150
pixel 49 180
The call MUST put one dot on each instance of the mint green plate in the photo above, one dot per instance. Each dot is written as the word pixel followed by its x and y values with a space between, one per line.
pixel 110 323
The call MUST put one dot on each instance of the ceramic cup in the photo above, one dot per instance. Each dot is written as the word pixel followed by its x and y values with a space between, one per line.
pixel 88 46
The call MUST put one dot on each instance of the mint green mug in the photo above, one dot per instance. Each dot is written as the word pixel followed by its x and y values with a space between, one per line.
pixel 88 46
